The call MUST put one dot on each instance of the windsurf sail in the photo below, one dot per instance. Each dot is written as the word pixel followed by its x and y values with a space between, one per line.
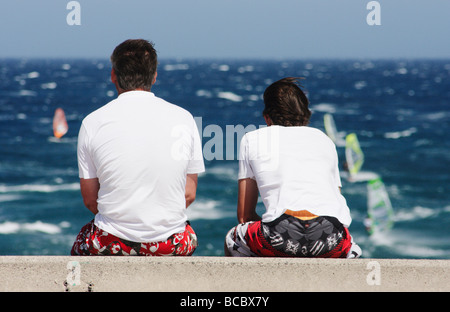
pixel 330 127
pixel 331 130
pixel 353 154
pixel 379 208
pixel 60 126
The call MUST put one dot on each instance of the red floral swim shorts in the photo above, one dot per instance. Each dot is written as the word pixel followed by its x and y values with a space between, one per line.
pixel 94 241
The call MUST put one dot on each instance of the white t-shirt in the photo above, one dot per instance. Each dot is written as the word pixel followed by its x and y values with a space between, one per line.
pixel 141 148
pixel 295 168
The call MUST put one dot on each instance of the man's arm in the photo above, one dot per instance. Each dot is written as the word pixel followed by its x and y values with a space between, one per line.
pixel 89 192
pixel 191 188
pixel 247 200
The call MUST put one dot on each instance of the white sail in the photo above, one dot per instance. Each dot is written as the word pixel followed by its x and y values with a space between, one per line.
pixel 379 208
pixel 353 154
pixel 331 130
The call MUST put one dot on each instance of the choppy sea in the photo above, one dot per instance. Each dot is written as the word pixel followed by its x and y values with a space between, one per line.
pixel 399 109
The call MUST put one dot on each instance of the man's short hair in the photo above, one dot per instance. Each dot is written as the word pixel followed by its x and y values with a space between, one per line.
pixel 286 104
pixel 134 62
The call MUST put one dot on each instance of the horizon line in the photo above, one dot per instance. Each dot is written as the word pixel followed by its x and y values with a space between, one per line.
pixel 237 58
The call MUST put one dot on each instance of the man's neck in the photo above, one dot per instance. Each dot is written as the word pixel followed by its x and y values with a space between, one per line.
pixel 120 91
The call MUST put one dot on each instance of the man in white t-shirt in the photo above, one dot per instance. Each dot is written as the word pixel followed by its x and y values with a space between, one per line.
pixel 138 159
pixel 295 170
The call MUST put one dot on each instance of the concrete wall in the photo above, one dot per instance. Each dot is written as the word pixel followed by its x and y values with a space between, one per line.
pixel 219 274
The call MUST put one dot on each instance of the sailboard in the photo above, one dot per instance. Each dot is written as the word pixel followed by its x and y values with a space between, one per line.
pixel 380 214
pixel 331 130
pixel 60 126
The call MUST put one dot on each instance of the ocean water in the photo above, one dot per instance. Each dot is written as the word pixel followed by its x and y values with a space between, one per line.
pixel 400 110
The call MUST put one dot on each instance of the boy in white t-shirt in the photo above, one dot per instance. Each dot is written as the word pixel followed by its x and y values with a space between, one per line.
pixel 138 159
pixel 295 170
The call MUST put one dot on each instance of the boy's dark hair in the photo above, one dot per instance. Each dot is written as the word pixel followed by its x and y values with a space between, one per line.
pixel 134 62
pixel 286 104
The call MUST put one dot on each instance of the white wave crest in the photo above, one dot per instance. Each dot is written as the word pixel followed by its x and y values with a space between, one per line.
pixel 400 134
pixel 230 96
pixel 416 213
pixel 172 67
pixel 422 247
pixel 9 227
pixel 9 197
pixel 208 210
pixel 49 85
pixel 43 188
pixel 324 107
pixel 223 172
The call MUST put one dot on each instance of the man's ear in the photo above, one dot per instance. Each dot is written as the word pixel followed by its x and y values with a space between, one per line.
pixel 113 76
pixel 268 120
pixel 154 78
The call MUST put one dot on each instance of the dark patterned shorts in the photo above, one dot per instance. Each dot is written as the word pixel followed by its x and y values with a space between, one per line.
pixel 289 236
pixel 94 241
